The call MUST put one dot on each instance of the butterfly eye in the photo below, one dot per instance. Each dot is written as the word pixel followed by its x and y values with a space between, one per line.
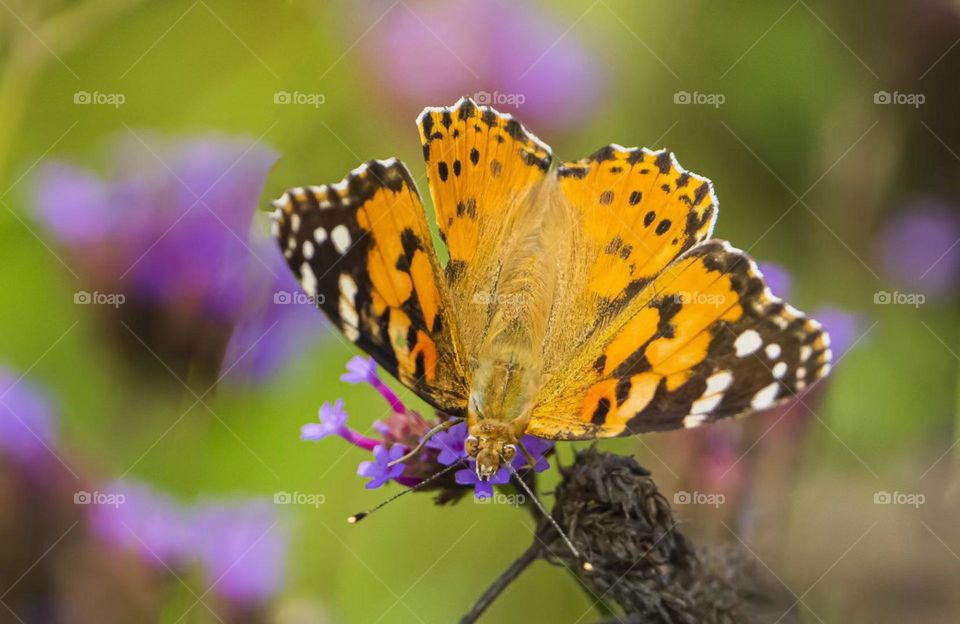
pixel 509 451
pixel 471 445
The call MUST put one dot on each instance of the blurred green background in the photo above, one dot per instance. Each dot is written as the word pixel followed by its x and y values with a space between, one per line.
pixel 814 172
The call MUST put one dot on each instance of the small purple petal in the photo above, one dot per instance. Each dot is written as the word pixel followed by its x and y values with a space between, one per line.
pixel 332 421
pixel 378 470
pixel 482 489
pixel 360 370
pixel 450 443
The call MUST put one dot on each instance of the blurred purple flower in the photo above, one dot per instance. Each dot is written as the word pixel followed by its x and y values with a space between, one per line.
pixel 507 54
pixel 27 420
pixel 778 279
pixel 379 470
pixel 920 247
pixel 242 546
pixel 843 327
pixel 169 226
pixel 275 322
pixel 239 544
pixel 135 516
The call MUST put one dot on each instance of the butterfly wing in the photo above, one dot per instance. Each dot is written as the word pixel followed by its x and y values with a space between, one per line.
pixel 702 340
pixel 486 172
pixel 633 212
pixel 362 249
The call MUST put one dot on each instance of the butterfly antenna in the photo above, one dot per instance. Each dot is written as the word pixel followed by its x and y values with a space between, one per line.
pixel 573 549
pixel 357 517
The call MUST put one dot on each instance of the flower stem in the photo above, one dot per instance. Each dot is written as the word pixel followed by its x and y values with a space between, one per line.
pixel 389 395
pixel 357 439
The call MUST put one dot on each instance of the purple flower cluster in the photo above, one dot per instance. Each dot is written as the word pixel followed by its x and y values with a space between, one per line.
pixel 402 430
pixel 240 545
pixel 169 226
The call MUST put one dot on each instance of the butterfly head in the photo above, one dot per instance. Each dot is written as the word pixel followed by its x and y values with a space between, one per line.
pixel 493 444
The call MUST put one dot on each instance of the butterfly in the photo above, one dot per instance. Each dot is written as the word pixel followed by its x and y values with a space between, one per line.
pixel 582 299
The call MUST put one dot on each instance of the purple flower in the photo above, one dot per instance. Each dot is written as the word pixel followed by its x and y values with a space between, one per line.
pixel 242 547
pixel 842 326
pixel 537 448
pixel 169 226
pixel 777 278
pixel 135 516
pixel 332 421
pixel 506 54
pixel 378 470
pixel 27 421
pixel 920 247
pixel 450 443
pixel 482 489
pixel 360 370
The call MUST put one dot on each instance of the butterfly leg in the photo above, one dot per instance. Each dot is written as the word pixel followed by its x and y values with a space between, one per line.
pixel 447 424
pixel 531 462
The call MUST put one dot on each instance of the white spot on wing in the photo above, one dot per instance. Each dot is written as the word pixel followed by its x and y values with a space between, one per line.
pixel 307 279
pixel 747 342
pixel 779 369
pixel 773 350
pixel 320 235
pixel 307 249
pixel 718 382
pixel 295 222
pixel 766 397
pixel 347 307
pixel 705 405
pixel 340 236
pixel 693 420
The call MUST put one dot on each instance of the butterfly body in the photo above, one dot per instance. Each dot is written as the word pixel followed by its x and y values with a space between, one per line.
pixel 580 300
